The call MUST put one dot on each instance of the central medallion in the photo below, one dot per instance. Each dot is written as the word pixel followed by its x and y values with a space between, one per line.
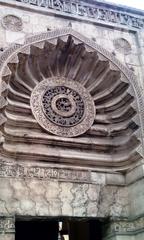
pixel 62 107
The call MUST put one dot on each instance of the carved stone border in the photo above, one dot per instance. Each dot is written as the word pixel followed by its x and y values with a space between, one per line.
pixel 99 12
pixel 11 52
pixel 64 174
pixel 45 173
pixel 7 225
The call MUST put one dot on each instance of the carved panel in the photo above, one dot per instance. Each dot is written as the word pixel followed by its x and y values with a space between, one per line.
pixel 12 23
pixel 122 45
pixel 7 225
pixel 124 226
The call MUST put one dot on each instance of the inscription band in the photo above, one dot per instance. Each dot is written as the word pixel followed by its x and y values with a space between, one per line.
pixel 45 173
pixel 89 11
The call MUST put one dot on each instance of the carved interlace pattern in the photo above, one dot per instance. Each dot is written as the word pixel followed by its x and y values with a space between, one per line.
pixel 13 23
pixel 62 107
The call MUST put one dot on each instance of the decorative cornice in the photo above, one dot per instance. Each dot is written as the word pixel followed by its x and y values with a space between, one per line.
pixel 93 11
pixel 7 225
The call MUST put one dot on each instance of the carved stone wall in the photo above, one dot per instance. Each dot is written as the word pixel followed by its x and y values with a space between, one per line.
pixel 106 87
pixel 71 195
pixel 42 16
pixel 52 189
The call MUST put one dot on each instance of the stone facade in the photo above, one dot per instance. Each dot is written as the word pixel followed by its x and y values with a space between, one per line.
pixel 95 170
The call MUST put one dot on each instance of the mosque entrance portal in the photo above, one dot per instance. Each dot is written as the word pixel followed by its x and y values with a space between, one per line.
pixel 55 229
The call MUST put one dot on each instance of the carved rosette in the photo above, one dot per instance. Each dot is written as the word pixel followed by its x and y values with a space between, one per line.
pixel 12 23
pixel 62 107
pixel 122 45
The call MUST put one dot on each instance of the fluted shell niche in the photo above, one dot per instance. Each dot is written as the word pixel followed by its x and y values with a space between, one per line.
pixel 67 103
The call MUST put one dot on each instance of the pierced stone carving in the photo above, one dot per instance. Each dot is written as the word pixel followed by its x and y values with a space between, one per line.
pixel 13 23
pixel 122 45
pixel 62 107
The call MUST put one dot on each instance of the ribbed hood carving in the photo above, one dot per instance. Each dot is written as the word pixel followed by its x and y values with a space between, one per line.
pixel 110 143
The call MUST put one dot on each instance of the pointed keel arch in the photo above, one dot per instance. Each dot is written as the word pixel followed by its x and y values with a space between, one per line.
pixel 114 139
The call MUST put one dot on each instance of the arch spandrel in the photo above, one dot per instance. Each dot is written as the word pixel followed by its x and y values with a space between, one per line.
pixel 113 138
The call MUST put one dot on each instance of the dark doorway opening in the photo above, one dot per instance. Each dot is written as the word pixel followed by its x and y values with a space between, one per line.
pixel 55 229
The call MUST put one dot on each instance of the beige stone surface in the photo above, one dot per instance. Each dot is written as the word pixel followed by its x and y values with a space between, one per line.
pixel 136 198
pixel 139 236
pixel 7 236
pixel 121 238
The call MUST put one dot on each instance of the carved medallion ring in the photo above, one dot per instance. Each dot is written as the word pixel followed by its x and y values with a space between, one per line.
pixel 62 107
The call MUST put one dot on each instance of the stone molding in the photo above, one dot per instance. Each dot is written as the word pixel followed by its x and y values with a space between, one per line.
pixel 7 225
pixel 93 12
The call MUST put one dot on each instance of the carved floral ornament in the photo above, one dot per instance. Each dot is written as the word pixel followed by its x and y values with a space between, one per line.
pixel 64 85
pixel 12 23
pixel 62 107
